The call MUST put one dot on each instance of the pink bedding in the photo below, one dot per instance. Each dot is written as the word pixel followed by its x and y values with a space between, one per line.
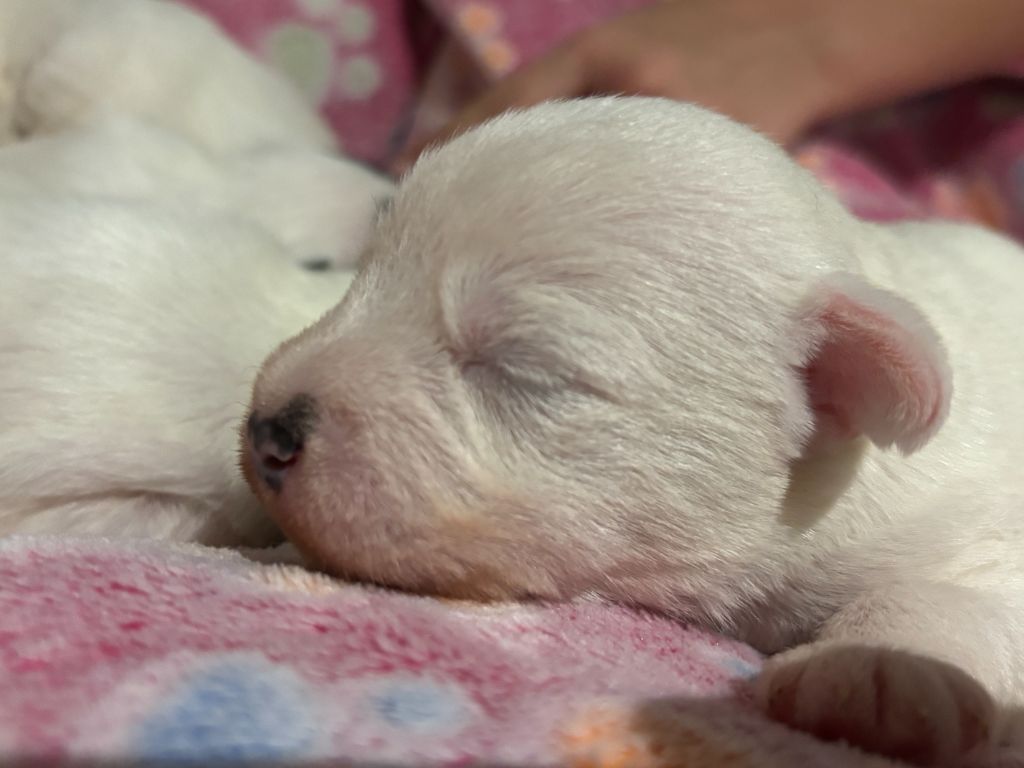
pixel 149 654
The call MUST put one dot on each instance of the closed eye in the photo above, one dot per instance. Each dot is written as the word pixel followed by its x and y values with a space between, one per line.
pixel 530 381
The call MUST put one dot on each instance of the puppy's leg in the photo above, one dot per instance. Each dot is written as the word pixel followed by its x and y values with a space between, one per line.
pixel 904 671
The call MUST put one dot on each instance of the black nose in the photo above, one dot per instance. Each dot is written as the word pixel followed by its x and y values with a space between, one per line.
pixel 276 442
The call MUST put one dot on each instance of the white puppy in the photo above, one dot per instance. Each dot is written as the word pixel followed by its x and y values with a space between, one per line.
pixel 148 223
pixel 628 347
pixel 64 61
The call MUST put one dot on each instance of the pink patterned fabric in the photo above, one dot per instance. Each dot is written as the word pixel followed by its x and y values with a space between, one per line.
pixel 384 69
pixel 135 654
pixel 957 154
pixel 354 60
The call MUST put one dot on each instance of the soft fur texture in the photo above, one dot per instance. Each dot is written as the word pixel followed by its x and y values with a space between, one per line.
pixel 627 347
pixel 152 220
pixel 64 61
pixel 131 332
pixel 317 205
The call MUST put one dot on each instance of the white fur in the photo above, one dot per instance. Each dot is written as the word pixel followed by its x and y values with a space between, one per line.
pixel 163 187
pixel 65 61
pixel 319 206
pixel 629 348
pixel 131 331
pixel 160 102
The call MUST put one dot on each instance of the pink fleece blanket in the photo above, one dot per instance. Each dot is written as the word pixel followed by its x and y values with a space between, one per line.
pixel 158 654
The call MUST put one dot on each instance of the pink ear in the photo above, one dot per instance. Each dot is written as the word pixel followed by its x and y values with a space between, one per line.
pixel 876 367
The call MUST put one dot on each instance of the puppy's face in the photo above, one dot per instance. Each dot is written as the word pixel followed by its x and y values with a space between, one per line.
pixel 568 364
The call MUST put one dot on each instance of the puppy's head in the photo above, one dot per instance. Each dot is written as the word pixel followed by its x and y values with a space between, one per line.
pixel 587 342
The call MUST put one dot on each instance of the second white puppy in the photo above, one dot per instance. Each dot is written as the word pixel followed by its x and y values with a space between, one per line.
pixel 149 219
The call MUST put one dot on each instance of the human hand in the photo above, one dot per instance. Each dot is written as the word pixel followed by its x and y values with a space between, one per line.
pixel 778 65
pixel 763 63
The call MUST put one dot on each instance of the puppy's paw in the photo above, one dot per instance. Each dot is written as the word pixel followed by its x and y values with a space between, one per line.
pixel 889 702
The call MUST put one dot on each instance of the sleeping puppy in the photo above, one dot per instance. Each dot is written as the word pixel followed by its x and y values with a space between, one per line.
pixel 145 279
pixel 628 348
pixel 65 61
pixel 151 223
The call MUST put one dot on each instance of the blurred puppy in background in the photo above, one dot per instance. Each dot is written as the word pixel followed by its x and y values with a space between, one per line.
pixel 158 200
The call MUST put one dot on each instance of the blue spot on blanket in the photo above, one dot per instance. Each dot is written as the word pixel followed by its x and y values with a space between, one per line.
pixel 236 710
